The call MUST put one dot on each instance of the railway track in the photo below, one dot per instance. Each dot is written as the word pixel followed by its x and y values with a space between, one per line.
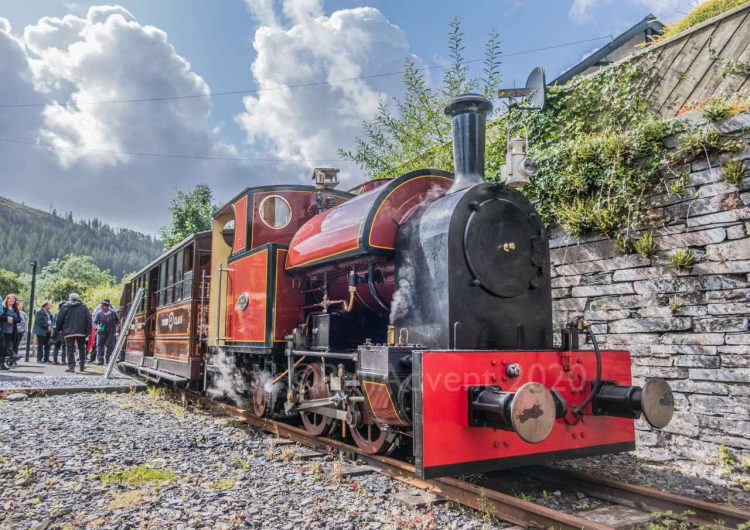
pixel 485 498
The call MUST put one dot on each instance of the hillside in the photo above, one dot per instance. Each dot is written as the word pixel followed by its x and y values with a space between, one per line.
pixel 28 234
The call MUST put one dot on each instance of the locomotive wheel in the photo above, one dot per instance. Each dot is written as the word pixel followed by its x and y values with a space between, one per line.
pixel 368 435
pixel 261 400
pixel 313 381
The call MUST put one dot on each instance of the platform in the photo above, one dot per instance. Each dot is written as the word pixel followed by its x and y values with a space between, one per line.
pixel 39 378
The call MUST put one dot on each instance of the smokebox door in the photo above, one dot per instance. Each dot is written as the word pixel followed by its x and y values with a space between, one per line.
pixel 498 247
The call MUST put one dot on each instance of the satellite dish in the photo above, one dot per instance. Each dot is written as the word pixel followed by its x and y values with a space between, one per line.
pixel 535 92
pixel 536 89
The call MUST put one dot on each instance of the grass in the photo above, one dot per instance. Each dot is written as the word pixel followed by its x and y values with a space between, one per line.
pixel 289 453
pixel 24 472
pixel 674 304
pixel 677 186
pixel 726 459
pixel 337 470
pixel 700 14
pixel 222 484
pixel 666 521
pixel 575 217
pixel 156 392
pixel 681 259
pixel 716 109
pixel 486 508
pixel 645 245
pixel 240 464
pixel 317 470
pixel 129 499
pixel 733 171
pixel 137 476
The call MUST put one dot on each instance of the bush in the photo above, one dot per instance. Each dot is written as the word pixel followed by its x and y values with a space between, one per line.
pixel 10 283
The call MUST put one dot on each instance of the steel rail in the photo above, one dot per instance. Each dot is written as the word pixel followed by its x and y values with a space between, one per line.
pixel 495 503
pixel 501 505
pixel 643 498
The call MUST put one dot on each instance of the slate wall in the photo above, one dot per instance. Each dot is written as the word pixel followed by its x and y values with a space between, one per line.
pixel 689 327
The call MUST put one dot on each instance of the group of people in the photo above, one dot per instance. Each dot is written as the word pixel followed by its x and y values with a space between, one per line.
pixel 74 327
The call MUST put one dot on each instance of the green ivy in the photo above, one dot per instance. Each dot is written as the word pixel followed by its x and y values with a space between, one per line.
pixel 601 153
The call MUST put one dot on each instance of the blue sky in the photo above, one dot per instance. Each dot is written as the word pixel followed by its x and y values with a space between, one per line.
pixel 216 38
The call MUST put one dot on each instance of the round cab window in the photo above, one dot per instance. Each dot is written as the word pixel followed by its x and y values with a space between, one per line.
pixel 275 212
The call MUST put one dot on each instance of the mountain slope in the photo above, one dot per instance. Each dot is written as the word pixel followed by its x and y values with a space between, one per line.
pixel 27 234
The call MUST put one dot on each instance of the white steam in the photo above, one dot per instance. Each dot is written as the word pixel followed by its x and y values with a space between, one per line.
pixel 266 380
pixel 403 298
pixel 227 381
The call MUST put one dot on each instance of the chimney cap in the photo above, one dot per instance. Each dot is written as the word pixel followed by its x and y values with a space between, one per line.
pixel 464 103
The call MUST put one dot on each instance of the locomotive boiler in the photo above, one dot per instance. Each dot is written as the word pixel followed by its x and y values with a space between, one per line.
pixel 412 314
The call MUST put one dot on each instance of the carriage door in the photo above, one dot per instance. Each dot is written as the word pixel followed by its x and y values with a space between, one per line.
pixel 153 301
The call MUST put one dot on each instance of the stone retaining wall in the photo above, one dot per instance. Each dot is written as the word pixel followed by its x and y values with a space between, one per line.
pixel 688 327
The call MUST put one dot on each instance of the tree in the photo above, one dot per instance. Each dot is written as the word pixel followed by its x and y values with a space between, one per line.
pixel 59 288
pixel 414 133
pixel 191 213
pixel 93 296
pixel 81 269
pixel 72 274
pixel 10 283
pixel 29 234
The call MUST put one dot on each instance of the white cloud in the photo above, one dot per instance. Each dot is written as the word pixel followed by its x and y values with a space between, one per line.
pixel 313 122
pixel 667 10
pixel 110 56
pixel 87 157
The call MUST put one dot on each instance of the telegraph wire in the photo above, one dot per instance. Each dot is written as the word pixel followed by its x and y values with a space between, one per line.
pixel 168 155
pixel 295 86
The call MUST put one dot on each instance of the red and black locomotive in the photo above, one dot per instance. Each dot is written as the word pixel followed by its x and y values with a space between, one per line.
pixel 411 313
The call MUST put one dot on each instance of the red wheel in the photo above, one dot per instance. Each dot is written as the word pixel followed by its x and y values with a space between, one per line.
pixel 367 434
pixel 261 399
pixel 314 386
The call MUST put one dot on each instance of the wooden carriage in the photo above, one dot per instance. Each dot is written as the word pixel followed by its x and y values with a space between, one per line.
pixel 167 338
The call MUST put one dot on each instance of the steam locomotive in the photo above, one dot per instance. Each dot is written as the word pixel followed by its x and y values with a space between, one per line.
pixel 412 313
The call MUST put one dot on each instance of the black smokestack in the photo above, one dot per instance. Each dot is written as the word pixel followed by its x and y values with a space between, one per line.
pixel 469 114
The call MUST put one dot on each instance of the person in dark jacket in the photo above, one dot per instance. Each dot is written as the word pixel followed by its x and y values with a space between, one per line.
pixel 56 340
pixel 105 322
pixel 9 319
pixel 74 321
pixel 42 330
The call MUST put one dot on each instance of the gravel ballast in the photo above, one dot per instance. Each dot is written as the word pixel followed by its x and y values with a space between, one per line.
pixel 136 460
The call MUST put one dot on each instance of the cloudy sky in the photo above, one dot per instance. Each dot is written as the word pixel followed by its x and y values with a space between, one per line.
pixel 89 121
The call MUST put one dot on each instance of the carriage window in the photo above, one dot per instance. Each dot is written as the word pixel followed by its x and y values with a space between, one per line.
pixel 168 281
pixel 275 212
pixel 187 285
pixel 178 264
pixel 162 283
pixel 227 232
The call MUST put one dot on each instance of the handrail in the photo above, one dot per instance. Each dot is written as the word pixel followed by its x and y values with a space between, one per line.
pixel 124 330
